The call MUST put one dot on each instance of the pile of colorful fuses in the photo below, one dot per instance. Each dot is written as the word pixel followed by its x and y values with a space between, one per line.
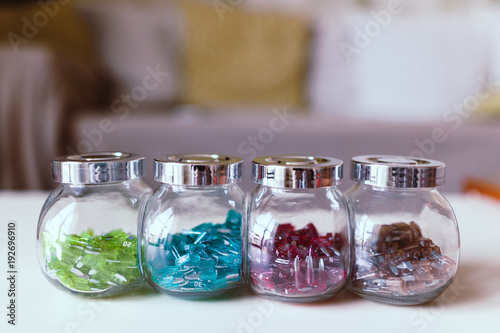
pixel 298 262
pixel 392 237
pixel 397 260
pixel 205 258
pixel 92 263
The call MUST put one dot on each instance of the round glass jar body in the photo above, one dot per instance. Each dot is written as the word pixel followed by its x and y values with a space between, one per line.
pixel 86 237
pixel 298 247
pixel 192 235
pixel 405 243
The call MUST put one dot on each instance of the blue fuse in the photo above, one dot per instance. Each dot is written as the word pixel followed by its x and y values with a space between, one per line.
pixel 233 220
pixel 219 283
pixel 208 258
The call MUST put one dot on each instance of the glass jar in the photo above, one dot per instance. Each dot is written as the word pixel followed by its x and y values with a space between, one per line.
pixel 86 236
pixel 298 248
pixel 192 226
pixel 406 241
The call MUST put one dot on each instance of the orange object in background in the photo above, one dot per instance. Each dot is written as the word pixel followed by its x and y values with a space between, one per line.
pixel 484 187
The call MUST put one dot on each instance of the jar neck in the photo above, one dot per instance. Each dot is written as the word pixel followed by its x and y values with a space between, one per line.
pixel 294 190
pixel 200 187
pixel 394 189
pixel 110 184
pixel 196 189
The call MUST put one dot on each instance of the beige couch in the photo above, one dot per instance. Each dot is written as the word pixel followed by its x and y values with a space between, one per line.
pixel 345 108
pixel 469 150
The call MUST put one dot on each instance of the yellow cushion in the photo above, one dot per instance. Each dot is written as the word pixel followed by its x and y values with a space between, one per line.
pixel 245 57
pixel 59 28
pixel 490 107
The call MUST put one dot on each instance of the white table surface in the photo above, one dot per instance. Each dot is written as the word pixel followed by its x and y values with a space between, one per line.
pixel 471 304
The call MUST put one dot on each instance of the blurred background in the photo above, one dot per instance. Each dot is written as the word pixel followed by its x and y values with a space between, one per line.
pixel 251 77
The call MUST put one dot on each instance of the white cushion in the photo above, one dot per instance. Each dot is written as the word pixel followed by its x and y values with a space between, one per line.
pixel 416 67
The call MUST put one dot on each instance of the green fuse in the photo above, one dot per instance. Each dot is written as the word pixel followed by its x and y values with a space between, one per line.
pixel 117 238
pixel 70 255
pixel 93 260
pixel 128 259
pixel 104 274
pixel 89 262
pixel 95 284
pixel 110 254
pixel 76 240
pixel 115 233
pixel 119 265
pixel 88 234
pixel 81 284
pixel 65 279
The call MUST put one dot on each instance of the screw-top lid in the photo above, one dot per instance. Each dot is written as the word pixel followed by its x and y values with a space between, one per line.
pixel 198 169
pixel 296 171
pixel 397 171
pixel 97 168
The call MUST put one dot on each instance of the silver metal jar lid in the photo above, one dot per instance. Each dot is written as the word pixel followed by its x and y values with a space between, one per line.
pixel 397 171
pixel 297 171
pixel 97 168
pixel 198 169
